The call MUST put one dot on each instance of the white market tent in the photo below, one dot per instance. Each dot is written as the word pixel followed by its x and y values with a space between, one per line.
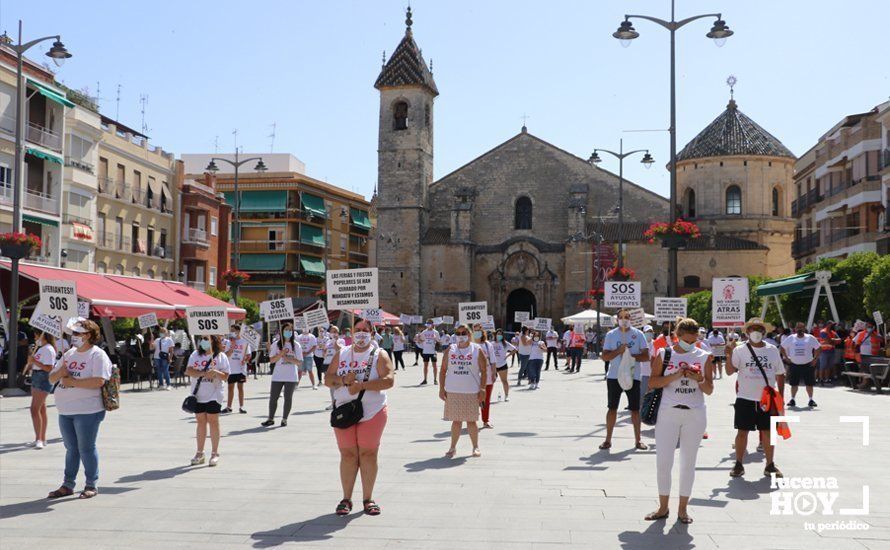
pixel 588 317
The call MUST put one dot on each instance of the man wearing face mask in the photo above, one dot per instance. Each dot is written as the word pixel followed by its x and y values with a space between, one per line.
pixel 617 340
pixel 802 352
pixel 428 340
pixel 749 415
pixel 645 366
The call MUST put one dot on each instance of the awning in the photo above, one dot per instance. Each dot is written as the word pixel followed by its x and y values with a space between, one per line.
pixel 41 155
pixel 261 262
pixel 176 294
pixel 41 221
pixel 81 231
pixel 309 234
pixel 50 94
pixel 313 204
pixel 260 201
pixel 788 285
pixel 312 266
pixel 360 218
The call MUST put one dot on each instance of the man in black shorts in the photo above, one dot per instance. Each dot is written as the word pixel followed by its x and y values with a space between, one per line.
pixel 617 340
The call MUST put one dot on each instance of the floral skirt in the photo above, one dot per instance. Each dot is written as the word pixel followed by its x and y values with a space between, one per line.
pixel 462 407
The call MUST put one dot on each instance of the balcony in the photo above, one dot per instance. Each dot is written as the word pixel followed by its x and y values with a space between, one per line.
pixel 114 189
pixel 195 235
pixel 886 159
pixel 80 164
pixel 841 234
pixel 37 200
pixel 111 241
pixel 43 136
pixel 805 245
pixel 6 193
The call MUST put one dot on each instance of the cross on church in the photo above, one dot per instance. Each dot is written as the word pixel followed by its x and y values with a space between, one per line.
pixel 731 82
pixel 524 118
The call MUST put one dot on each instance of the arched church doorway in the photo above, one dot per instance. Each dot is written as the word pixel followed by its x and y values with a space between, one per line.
pixel 520 300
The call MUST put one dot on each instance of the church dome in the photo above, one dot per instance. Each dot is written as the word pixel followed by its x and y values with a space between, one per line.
pixel 733 133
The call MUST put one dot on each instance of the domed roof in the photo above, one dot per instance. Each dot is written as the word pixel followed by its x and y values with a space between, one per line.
pixel 733 133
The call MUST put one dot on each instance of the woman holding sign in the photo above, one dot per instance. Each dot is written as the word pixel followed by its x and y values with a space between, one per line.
pixel 361 372
pixel 286 354
pixel 40 363
pixel 462 387
pixel 208 367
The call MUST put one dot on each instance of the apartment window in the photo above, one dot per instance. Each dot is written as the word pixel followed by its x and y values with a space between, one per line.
pixel 118 269
pixel 162 244
pixel 214 226
pixel 79 207
pixel 734 200
pixel 119 235
pixel 137 186
pixel 777 203
pixel 150 238
pixel 137 272
pixel 211 276
pixel 327 242
pixel 101 267
pixel 691 281
pixel 276 236
pixel 150 274
pixel 5 176
pixel 134 238
pixel 202 222
pixel 342 243
pixel 186 218
pixel 77 259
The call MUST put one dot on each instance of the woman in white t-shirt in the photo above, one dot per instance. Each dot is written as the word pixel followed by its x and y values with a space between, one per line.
pixel 208 367
pixel 81 373
pixel 321 340
pixel 685 378
pixel 462 387
pixel 359 368
pixel 39 364
pixel 287 355
pixel 481 339
pixel 536 350
pixel 502 349
pixel 398 347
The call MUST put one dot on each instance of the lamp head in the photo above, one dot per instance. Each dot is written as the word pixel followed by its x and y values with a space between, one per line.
pixel 648 161
pixel 625 33
pixel 58 53
pixel 261 166
pixel 594 158
pixel 720 32
pixel 212 167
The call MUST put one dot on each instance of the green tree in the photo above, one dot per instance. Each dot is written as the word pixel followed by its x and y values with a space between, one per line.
pixel 698 306
pixel 248 305
pixel 877 288
pixel 854 270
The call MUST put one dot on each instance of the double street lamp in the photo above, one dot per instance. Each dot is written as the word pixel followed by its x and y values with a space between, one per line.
pixel 719 33
pixel 236 226
pixel 58 54
pixel 647 161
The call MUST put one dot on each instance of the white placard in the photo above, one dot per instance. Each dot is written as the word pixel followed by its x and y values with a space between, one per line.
pixel 316 317
pixel 148 320
pixel 578 328
pixel 83 309
pixel 418 319
pixel 668 309
pixel 437 321
pixel 448 319
pixel 251 335
pixel 472 312
pixel 207 320
pixel 280 309
pixel 520 316
pixel 488 324
pixel 542 324
pixel 406 319
pixel 352 289
pixel 59 299
pixel 530 323
pixel 607 321
pixel 879 319
pixel 637 318
pixel 728 297
pixel 47 324
pixel 374 315
pixel 299 324
pixel 622 294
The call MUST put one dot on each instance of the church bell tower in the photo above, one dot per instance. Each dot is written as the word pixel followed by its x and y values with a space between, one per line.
pixel 404 172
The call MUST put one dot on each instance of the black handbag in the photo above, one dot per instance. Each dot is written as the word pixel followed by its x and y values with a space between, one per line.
pixel 350 413
pixel 190 403
pixel 652 398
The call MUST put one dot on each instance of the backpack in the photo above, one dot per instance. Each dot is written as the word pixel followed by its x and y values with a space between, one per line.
pixel 111 390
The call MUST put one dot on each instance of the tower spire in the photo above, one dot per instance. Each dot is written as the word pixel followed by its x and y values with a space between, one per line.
pixel 731 82
pixel 408 21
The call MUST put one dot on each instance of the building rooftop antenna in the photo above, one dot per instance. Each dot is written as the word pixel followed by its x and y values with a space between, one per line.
pixel 215 145
pixel 143 101
pixel 117 105
pixel 272 136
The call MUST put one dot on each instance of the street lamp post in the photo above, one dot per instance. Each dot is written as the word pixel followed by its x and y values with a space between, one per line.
pixel 236 226
pixel 621 155
pixel 58 54
pixel 719 33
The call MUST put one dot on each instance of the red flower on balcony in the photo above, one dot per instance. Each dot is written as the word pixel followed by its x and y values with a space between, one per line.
pixel 20 239
pixel 620 274
pixel 586 303
pixel 595 293
pixel 235 277
pixel 680 228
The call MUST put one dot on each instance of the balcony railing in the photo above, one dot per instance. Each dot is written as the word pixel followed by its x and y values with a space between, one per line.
pixel 6 193
pixel 36 200
pixel 113 241
pixel 80 164
pixel 43 136
pixel 805 245
pixel 841 234
pixel 195 235
pixel 265 246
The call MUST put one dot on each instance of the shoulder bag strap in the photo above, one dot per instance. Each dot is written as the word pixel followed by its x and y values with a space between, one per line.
pixel 667 359
pixel 757 362
pixel 372 360
pixel 201 378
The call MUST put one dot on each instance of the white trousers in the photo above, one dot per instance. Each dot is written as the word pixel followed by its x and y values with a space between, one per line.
pixel 683 426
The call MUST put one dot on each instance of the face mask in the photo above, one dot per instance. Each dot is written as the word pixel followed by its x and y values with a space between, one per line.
pixel 463 338
pixel 624 323
pixel 755 336
pixel 500 337
pixel 477 334
pixel 77 341
pixel 362 338
pixel 429 326
pixel 288 333
pixel 648 336
pixel 800 332
pixel 205 345
pixel 232 335
pixel 535 339
pixel 685 346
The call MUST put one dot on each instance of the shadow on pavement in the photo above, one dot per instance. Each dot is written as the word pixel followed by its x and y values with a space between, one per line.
pixel 660 534
pixel 594 461
pixel 155 475
pixel 13 447
pixel 255 429
pixel 42 505
pixel 320 528
pixel 740 489
pixel 517 434
pixel 438 463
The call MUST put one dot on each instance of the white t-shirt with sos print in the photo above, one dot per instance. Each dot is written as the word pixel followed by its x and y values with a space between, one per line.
pixel 428 340
pixel 210 389
pixel 92 363
pixel 463 375
pixel 240 350
pixel 800 350
pixel 286 367
pixel 365 369
pixel 46 355
pixel 684 391
pixel 307 342
pixel 751 381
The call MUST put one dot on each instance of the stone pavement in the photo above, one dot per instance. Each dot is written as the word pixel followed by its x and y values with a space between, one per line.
pixel 541 482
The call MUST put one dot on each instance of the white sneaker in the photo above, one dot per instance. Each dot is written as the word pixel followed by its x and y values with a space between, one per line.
pixel 314 387
pixel 214 460
pixel 329 408
pixel 506 399
pixel 32 443
pixel 40 445
pixel 168 388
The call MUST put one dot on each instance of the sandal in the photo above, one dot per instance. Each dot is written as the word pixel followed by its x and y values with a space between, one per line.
pixel 640 446
pixel 477 453
pixel 344 507
pixel 655 516
pixel 685 520
pixel 371 507
pixel 605 445
pixel 61 492
pixel 450 453
pixel 88 492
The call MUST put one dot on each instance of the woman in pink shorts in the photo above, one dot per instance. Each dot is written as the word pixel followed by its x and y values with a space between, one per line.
pixel 360 368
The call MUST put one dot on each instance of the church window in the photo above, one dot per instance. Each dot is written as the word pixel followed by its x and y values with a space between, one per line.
pixel 523 217
pixel 690 203
pixel 734 200
pixel 691 281
pixel 400 116
pixel 777 203
pixel 426 115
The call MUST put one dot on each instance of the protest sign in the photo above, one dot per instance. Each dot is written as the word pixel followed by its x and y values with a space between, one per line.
pixel 728 297
pixel 352 289
pixel 251 335
pixel 542 324
pixel 448 319
pixel 472 312
pixel 58 299
pixel 83 309
pixel 148 320
pixel 637 318
pixel 374 315
pixel 668 309
pixel 488 324
pixel 206 320
pixel 622 294
pixel 280 309
pixel 520 316
pixel 47 324
pixel 316 317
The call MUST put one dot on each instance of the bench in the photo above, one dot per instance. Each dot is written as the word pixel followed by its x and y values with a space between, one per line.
pixel 879 373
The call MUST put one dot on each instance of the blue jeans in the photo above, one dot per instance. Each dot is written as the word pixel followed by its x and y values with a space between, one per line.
pixel 79 432
pixel 644 386
pixel 523 367
pixel 163 368
pixel 826 360
pixel 575 355
pixel 534 370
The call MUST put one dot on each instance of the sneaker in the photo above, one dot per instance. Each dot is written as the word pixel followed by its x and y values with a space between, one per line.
pixel 267 423
pixel 811 404
pixel 242 411
pixel 226 410
pixel 738 470
pixel 329 408
pixel 772 470
pixel 507 398
pixel 168 388
pixel 759 447
pixel 198 459
pixel 214 460
pixel 314 387
pixel 423 383
pixel 284 423
pixel 32 443
pixel 40 444
pixel 792 403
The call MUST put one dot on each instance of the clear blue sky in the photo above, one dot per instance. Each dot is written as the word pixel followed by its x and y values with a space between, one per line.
pixel 310 68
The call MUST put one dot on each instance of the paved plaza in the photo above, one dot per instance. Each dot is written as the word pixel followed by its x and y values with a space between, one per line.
pixel 541 482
